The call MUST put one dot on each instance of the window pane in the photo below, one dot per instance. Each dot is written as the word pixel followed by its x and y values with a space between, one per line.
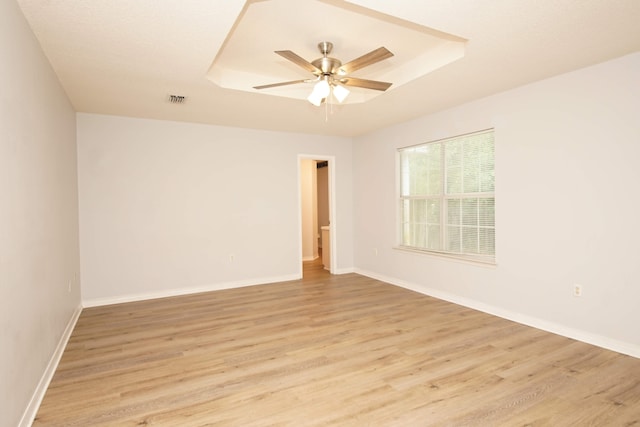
pixel 418 211
pixel 433 211
pixel 406 234
pixel 453 211
pixel 453 153
pixel 453 239
pixel 447 189
pixel 453 161
pixel 470 240
pixel 470 180
pixel 421 170
pixel 434 165
pixel 405 229
pixel 419 236
pixel 486 212
pixel 434 183
pixel 487 245
pixel 470 211
pixel 454 180
pixel 405 210
pixel 421 223
pixel 487 165
pixel 471 166
pixel 433 238
pixel 412 172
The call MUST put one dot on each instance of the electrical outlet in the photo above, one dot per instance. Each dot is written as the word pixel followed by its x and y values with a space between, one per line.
pixel 375 251
pixel 577 290
pixel 231 257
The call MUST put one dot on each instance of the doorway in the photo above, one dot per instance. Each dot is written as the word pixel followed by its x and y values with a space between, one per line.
pixel 317 212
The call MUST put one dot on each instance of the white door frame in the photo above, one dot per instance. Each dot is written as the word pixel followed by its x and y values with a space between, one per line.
pixel 332 209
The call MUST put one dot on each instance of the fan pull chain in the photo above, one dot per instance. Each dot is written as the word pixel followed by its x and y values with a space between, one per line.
pixel 326 109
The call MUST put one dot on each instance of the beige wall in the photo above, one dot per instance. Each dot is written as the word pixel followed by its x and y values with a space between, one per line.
pixel 39 266
pixel 164 204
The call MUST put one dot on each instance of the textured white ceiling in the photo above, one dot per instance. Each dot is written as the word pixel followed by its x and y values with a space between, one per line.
pixel 124 57
pixel 247 60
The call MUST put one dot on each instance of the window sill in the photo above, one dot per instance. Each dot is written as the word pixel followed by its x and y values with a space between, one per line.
pixel 451 257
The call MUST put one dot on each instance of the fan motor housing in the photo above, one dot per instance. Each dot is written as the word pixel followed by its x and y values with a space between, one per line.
pixel 327 65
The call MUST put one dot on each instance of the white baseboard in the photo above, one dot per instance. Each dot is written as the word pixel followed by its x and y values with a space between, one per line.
pixel 576 334
pixel 343 270
pixel 36 399
pixel 96 302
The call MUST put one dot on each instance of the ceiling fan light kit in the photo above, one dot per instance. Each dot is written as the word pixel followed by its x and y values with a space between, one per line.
pixel 321 91
pixel 331 75
pixel 324 89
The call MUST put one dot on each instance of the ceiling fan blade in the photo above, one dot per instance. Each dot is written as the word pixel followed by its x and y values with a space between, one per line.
pixel 293 82
pixel 367 59
pixel 367 84
pixel 298 60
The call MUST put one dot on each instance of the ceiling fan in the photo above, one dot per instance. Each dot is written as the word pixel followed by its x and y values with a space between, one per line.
pixel 331 76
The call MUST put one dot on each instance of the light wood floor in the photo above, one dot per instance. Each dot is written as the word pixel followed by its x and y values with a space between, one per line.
pixel 329 351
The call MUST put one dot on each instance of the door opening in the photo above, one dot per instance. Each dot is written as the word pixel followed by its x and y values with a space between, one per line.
pixel 317 242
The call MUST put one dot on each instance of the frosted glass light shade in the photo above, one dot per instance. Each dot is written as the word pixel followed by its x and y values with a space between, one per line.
pixel 315 99
pixel 322 87
pixel 320 91
pixel 340 92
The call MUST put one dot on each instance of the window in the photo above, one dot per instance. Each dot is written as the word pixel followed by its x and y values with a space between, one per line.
pixel 447 201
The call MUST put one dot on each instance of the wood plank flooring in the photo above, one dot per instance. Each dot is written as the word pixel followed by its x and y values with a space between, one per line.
pixel 329 351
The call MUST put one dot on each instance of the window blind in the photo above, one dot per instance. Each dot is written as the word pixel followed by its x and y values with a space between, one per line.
pixel 447 199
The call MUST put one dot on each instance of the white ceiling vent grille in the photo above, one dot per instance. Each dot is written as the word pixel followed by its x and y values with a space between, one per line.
pixel 177 99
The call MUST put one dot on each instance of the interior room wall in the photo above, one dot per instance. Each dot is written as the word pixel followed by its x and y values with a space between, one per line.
pixel 39 261
pixel 566 207
pixel 169 208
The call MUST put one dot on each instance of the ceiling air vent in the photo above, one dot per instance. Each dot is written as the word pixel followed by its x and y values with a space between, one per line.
pixel 177 99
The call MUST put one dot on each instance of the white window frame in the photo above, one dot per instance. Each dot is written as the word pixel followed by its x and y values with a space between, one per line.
pixel 443 197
